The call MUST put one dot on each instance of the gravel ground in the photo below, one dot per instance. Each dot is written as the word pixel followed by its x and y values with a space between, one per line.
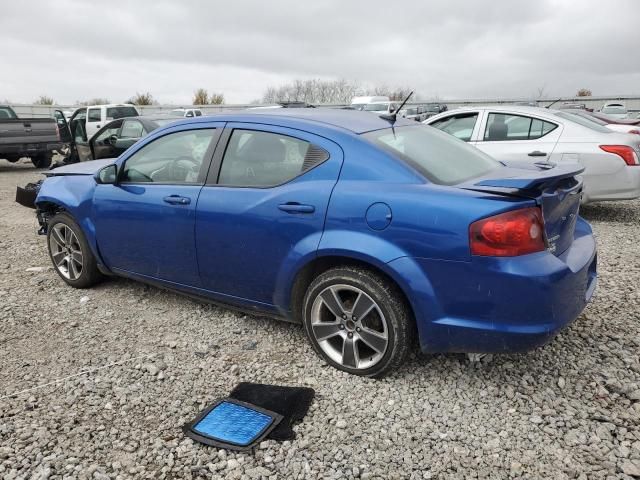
pixel 568 410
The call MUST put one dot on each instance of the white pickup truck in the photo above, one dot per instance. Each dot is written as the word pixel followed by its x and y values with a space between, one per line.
pixel 94 117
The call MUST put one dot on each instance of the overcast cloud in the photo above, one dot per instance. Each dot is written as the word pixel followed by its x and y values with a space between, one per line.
pixel 79 49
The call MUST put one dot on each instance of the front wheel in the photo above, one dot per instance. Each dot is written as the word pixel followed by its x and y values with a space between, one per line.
pixel 358 321
pixel 70 253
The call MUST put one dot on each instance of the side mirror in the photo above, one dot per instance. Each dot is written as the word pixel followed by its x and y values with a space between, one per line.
pixel 108 175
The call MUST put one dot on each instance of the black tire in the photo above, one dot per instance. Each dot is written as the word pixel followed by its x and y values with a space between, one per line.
pixel 391 304
pixel 89 274
pixel 42 161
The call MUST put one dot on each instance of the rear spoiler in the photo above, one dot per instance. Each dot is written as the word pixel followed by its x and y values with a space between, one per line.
pixel 527 176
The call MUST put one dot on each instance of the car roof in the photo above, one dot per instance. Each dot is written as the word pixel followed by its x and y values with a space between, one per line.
pixel 351 120
pixel 524 109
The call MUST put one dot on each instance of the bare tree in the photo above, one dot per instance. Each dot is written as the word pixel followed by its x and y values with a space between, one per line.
pixel 216 98
pixel 200 97
pixel 142 99
pixel 93 101
pixel 312 91
pixel 540 92
pixel 44 100
pixel 583 92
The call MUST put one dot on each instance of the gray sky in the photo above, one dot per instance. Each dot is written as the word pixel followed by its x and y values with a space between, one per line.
pixel 78 49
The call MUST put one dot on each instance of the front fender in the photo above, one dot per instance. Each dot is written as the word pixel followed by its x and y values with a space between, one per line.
pixel 73 193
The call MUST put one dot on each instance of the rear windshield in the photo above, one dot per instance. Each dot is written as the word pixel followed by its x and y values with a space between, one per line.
pixel 161 122
pixel 440 157
pixel 121 112
pixel 614 109
pixel 588 117
pixel 582 121
pixel 376 107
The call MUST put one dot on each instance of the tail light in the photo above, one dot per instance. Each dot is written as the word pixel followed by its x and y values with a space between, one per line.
pixel 508 234
pixel 623 151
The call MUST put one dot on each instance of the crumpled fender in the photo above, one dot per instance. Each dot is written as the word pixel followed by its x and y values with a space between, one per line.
pixel 74 194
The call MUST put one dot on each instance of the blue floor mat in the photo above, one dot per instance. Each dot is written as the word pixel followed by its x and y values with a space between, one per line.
pixel 230 423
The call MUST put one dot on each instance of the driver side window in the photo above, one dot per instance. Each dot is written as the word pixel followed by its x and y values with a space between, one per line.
pixel 176 158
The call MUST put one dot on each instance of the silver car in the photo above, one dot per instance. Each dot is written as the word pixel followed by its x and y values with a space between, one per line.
pixel 517 133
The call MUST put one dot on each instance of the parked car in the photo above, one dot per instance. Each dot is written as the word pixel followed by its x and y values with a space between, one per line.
pixel 554 136
pixel 369 232
pixel 615 109
pixel 86 121
pixel 35 138
pixel 358 103
pixel 613 120
pixel 116 137
pixel 380 107
pixel 185 112
pixel 434 109
pixel 414 112
pixel 616 127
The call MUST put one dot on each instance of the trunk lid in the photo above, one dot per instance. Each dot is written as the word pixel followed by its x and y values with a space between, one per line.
pixel 556 189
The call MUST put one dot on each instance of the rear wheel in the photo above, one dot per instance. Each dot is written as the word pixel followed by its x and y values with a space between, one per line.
pixel 42 160
pixel 70 253
pixel 357 321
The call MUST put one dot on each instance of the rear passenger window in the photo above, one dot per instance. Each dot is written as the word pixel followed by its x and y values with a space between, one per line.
pixel 502 126
pixel 94 115
pixel 263 159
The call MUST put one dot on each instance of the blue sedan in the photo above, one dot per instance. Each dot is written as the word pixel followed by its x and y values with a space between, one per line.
pixel 370 232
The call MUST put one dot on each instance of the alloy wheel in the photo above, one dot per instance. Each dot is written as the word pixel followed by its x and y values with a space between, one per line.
pixel 65 251
pixel 349 326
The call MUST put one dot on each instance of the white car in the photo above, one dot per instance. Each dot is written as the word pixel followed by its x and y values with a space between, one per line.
pixel 380 107
pixel 517 133
pixel 185 112
pixel 358 103
pixel 615 110
pixel 616 127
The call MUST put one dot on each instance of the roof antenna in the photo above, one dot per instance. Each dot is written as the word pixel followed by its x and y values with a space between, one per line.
pixel 393 116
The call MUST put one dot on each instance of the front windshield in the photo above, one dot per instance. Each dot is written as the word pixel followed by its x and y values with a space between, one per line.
pixel 440 157
pixel 582 121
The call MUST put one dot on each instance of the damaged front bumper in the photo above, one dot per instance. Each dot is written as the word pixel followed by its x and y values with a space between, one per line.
pixel 26 196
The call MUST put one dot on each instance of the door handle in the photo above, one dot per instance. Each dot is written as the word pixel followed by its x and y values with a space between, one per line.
pixel 177 200
pixel 537 153
pixel 294 207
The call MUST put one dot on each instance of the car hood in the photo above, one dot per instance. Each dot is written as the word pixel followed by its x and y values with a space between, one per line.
pixel 81 168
